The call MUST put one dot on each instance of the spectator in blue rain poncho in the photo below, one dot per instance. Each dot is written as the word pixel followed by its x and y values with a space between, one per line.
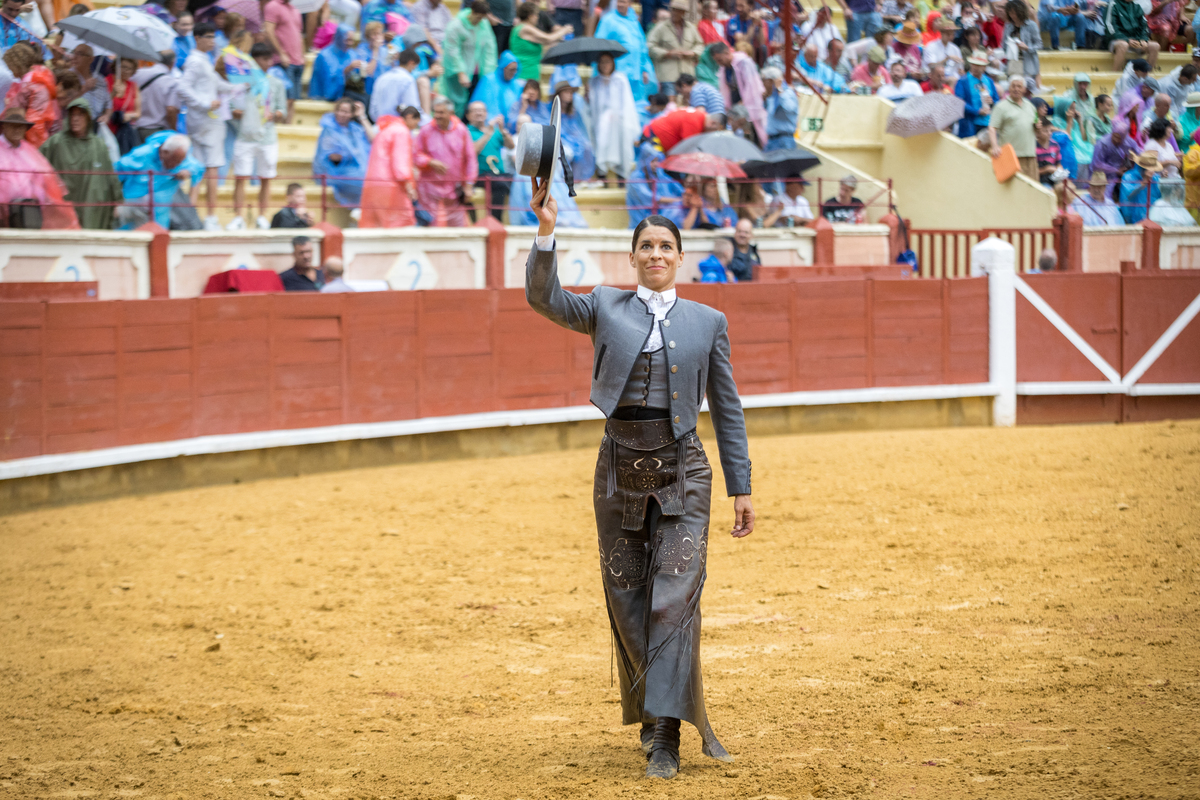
pixel 500 90
pixel 646 181
pixel 341 56
pixel 621 24
pixel 1142 177
pixel 343 151
pixel 168 156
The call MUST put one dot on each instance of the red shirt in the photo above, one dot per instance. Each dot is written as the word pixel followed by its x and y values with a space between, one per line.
pixel 673 128
pixel 993 29
pixel 711 31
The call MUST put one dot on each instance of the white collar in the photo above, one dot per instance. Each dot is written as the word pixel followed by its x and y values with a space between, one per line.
pixel 668 296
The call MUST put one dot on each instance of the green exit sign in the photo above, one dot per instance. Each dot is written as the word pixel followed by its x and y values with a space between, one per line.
pixel 813 123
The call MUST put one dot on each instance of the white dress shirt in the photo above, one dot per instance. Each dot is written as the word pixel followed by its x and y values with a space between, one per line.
pixel 659 304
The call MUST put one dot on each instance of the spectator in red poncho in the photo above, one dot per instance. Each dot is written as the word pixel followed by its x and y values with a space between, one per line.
pixel 33 91
pixel 711 29
pixel 671 129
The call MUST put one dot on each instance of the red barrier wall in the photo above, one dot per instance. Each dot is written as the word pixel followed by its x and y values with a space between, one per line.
pixel 81 376
pixel 1121 316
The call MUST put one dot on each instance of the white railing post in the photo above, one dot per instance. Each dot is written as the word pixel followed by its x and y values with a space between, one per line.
pixel 997 259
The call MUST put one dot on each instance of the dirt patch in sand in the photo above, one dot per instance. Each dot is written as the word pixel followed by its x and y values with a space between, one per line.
pixel 950 613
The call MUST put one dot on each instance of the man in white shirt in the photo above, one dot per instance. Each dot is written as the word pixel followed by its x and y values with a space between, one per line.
pixel 789 209
pixel 945 52
pixel 1097 208
pixel 201 89
pixel 396 89
pixel 820 31
pixel 901 87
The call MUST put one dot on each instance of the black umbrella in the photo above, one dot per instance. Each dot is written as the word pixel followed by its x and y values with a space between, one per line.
pixel 719 143
pixel 781 164
pixel 582 51
pixel 119 41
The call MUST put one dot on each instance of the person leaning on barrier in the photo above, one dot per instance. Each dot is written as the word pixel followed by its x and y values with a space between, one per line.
pixel 168 156
pixel 81 160
pixel 745 260
pixel 294 214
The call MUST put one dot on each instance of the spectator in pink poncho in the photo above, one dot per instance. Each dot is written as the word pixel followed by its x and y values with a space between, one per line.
pixel 747 84
pixel 444 153
pixel 388 191
pixel 31 194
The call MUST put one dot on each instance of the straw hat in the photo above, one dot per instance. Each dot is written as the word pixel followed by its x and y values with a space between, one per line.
pixel 1148 161
pixel 978 61
pixel 1192 101
pixel 908 34
pixel 1098 179
pixel 944 24
pixel 682 5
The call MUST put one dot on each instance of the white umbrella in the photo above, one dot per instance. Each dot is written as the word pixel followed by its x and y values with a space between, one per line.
pixel 929 113
pixel 158 34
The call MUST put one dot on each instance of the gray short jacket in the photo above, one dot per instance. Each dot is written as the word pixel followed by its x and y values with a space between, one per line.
pixel 697 350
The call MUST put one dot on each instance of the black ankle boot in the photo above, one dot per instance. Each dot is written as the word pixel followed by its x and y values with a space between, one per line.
pixel 664 752
pixel 647 738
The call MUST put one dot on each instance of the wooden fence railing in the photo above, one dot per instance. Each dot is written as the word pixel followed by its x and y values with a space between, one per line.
pixel 947 253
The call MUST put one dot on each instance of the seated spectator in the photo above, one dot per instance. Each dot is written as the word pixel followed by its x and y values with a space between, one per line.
pixel 529 108
pixel 870 74
pixel 943 52
pixel 820 30
pixel 1080 132
pixel 1168 210
pixel 343 60
pixel 845 207
pixel 936 82
pixel 745 261
pixel 1191 174
pixel 31 194
pixel 822 77
pixel 1162 144
pixel 1102 119
pixel 1177 85
pixel 908 47
pixel 714 268
pixel 1097 208
pixel 789 209
pixel 378 11
pixel 695 94
pixel 333 271
pixel 343 150
pixel 837 61
pixel 671 129
pixel 303 276
pixel 973 44
pixel 1159 108
pixel 576 138
pixel 159 91
pixel 1113 153
pixel 469 53
pixel 1136 71
pixel 1189 121
pixel 657 104
pixel 396 89
pixel 256 149
pixel 500 90
pixel 1047 261
pixel 979 96
pixel 33 92
pixel 489 139
pixel 648 182
pixel 81 159
pixel 295 213
pixel 1129 33
pixel 710 28
pixel 700 207
pixel 1053 15
pixel 445 155
pixel 1138 181
pixel 1165 22
pixel 389 190
pixel 1049 157
pixel 901 87
pixel 167 155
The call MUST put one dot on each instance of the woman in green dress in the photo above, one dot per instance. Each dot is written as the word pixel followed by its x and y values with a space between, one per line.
pixel 527 41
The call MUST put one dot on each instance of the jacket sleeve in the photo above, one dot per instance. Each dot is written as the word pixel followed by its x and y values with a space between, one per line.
pixel 547 297
pixel 725 409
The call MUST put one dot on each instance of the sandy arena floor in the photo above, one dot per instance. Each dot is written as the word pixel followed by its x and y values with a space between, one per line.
pixel 933 614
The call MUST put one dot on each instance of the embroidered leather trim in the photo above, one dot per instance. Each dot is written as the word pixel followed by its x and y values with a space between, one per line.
pixel 677 548
pixel 625 564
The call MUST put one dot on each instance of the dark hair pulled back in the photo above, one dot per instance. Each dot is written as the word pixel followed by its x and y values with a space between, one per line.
pixel 657 220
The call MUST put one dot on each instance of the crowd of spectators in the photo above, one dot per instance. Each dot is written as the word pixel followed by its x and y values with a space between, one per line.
pixel 428 104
